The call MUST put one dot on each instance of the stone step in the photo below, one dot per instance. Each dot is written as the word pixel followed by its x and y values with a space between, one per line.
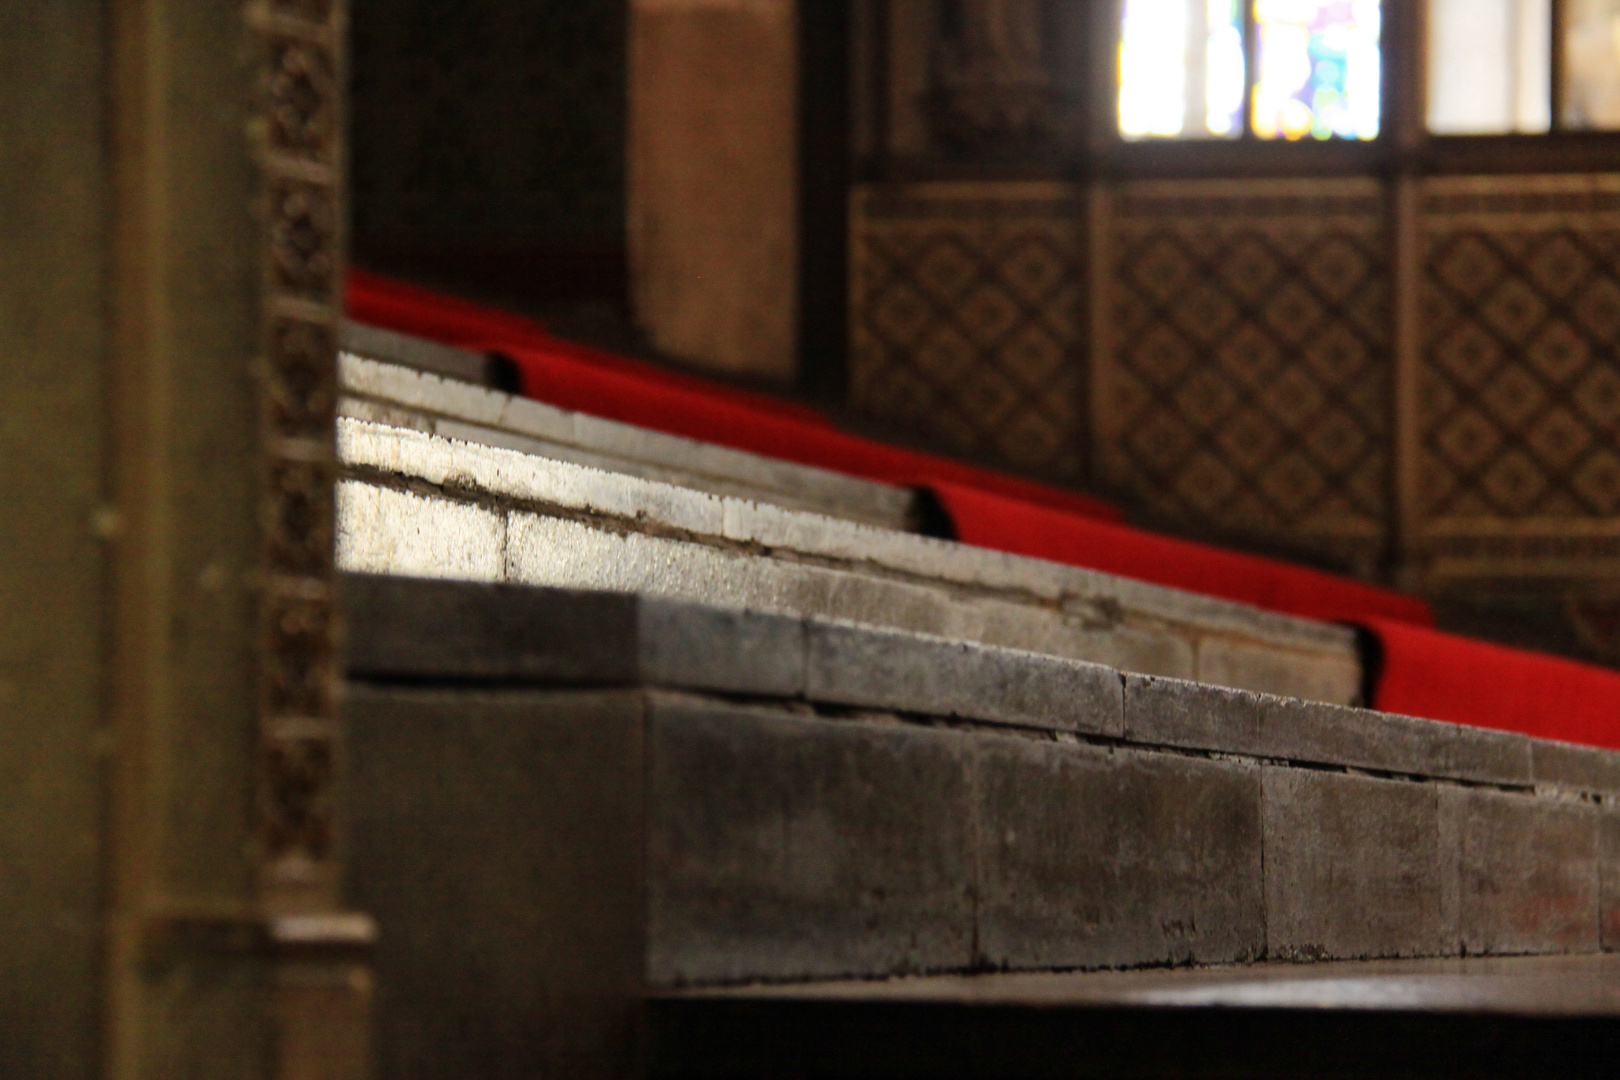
pixel 419 504
pixel 564 801
pixel 410 383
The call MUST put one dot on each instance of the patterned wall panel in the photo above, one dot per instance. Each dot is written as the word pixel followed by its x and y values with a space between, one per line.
pixel 965 318
pixel 1244 381
pixel 1519 387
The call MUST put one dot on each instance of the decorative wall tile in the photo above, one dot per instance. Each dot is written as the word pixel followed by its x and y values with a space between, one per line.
pixel 965 318
pixel 1520 379
pixel 1246 386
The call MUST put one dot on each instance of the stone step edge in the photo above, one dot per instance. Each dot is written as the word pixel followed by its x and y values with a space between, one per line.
pixel 504 635
pixel 375 453
pixel 377 388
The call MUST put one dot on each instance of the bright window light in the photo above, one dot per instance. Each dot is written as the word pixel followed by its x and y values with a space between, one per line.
pixel 1320 69
pixel 1181 69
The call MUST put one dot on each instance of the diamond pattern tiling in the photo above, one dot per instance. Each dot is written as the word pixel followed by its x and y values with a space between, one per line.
pixel 965 318
pixel 1521 411
pixel 1251 358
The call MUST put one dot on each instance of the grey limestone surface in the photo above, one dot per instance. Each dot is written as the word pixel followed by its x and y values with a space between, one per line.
pixel 721 649
pixel 1387 742
pixel 1013 811
pixel 396 349
pixel 1176 712
pixel 1353 867
pixel 1095 857
pixel 1581 986
pixel 503 633
pixel 419 505
pixel 453 631
pixel 481 632
pixel 1577 768
pixel 1609 878
pixel 561 800
pixel 1529 874
pixel 783 845
pixel 443 400
pixel 891 669
pixel 787 847
pixel 496 838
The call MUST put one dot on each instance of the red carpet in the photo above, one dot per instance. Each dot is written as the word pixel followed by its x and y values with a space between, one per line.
pixel 587 380
pixel 995 521
pixel 1425 673
pixel 1445 677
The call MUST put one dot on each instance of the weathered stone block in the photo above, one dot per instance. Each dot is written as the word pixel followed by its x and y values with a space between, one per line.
pixel 565 525
pixel 1171 712
pixel 1453 804
pixel 720 649
pixel 497 839
pixel 387 531
pixel 1247 665
pixel 1529 875
pixel 1352 867
pixel 859 665
pixel 1338 735
pixel 421 629
pixel 784 847
pixel 559 552
pixel 1579 768
pixel 1095 858
pixel 1609 878
pixel 420 353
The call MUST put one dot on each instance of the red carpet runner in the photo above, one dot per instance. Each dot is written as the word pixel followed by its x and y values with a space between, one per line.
pixel 590 381
pixel 1425 672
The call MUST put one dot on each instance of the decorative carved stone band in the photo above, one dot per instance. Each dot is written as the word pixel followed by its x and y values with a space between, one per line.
pixel 322 982
pixel 993 79
pixel 301 155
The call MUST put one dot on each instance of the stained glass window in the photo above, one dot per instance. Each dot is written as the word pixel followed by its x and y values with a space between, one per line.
pixel 1319 69
pixel 1181 69
pixel 1591 64
pixel 1490 66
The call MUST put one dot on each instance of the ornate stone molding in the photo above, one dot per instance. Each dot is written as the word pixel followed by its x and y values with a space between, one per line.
pixel 322 981
pixel 301 155
pixel 994 86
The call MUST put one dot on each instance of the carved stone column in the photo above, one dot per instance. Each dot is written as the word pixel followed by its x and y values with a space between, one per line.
pixel 169 752
pixel 321 980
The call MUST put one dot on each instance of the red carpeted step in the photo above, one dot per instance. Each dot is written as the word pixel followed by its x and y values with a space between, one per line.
pixel 1425 672
pixel 587 380
pixel 1444 677
pixel 989 520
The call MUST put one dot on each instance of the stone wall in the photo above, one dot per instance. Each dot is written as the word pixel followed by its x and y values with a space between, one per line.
pixel 708 797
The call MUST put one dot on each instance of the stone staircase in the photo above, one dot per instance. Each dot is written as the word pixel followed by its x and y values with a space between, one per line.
pixel 667 760
pixel 611 835
pixel 446 478
pixel 452 393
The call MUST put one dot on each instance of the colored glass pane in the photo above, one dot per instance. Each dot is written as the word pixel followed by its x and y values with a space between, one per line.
pixel 1181 69
pixel 1319 69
